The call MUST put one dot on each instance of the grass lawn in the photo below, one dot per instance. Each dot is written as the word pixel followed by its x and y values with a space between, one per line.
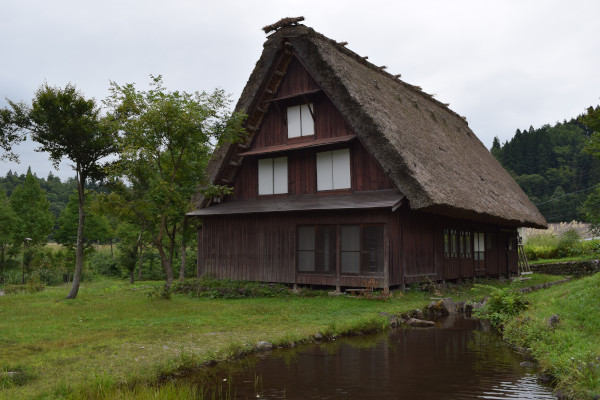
pixel 113 333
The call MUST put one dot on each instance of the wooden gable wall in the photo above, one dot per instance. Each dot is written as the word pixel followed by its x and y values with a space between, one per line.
pixel 366 174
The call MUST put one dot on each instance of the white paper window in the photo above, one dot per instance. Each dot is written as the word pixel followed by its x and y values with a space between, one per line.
pixel 333 170
pixel 272 176
pixel 300 121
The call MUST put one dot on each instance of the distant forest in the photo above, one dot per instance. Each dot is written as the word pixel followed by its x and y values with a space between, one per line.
pixel 57 191
pixel 552 166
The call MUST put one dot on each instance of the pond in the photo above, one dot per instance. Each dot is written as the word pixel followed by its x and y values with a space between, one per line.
pixel 459 359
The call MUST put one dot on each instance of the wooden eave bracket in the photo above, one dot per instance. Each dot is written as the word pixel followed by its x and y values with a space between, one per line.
pixel 399 204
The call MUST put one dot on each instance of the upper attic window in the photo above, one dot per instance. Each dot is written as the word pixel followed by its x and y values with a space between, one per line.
pixel 300 121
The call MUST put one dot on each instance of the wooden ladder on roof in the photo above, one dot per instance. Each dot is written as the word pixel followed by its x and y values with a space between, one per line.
pixel 523 264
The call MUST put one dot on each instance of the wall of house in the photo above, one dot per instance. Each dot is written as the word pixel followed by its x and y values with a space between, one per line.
pixel 262 247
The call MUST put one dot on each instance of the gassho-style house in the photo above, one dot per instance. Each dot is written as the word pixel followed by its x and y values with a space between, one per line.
pixel 349 174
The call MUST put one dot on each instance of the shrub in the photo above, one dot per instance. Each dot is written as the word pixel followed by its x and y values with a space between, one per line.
pixel 207 287
pixel 567 246
pixel 27 288
pixel 502 304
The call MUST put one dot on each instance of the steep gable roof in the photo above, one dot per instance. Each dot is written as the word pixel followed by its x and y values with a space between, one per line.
pixel 428 151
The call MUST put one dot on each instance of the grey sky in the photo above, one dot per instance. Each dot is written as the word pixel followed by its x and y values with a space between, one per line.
pixel 503 64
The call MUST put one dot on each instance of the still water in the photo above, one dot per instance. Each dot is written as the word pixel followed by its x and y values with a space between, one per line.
pixel 459 359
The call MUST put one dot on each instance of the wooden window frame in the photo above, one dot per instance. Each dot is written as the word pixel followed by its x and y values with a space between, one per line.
pixel 331 174
pixel 362 251
pixel 303 124
pixel 273 175
pixel 316 249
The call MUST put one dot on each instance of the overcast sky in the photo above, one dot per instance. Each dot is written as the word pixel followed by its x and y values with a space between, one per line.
pixel 502 64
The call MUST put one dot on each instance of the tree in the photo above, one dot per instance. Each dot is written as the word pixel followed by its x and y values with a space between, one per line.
pixel 96 229
pixel 166 140
pixel 12 121
pixel 67 125
pixel 34 220
pixel 8 222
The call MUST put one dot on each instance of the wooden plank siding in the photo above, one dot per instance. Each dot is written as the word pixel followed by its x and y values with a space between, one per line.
pixel 297 80
pixel 263 247
pixel 366 175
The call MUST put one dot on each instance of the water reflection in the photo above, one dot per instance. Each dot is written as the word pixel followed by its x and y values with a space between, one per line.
pixel 460 359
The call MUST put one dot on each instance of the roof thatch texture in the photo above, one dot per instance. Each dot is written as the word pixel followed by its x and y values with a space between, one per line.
pixel 429 151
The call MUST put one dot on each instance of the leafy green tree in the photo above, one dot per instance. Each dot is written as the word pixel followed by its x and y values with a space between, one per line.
pixel 34 220
pixel 8 222
pixel 67 125
pixel 166 140
pixel 12 121
pixel 96 229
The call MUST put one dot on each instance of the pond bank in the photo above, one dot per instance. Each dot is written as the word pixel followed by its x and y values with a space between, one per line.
pixel 561 330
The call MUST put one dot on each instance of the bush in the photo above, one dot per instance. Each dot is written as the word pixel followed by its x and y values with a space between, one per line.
pixel 567 246
pixel 207 287
pixel 27 288
pixel 502 304
pixel 102 263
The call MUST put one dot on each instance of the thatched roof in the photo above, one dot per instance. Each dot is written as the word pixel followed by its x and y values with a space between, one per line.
pixel 428 151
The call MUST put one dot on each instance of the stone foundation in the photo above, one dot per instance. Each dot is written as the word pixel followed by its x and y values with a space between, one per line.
pixel 576 268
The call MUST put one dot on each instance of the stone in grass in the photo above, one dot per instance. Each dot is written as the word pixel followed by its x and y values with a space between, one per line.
pixel 262 345
pixel 553 321
pixel 442 306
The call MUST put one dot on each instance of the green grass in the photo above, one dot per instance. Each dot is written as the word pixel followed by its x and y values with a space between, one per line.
pixel 570 352
pixel 114 337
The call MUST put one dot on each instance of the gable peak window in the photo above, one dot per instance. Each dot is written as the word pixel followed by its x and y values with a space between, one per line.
pixel 272 176
pixel 300 121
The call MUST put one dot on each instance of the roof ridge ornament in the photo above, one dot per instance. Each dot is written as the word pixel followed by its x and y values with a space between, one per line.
pixel 282 23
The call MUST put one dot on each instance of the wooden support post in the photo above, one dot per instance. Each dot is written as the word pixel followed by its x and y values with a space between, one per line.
pixel 200 261
pixel 386 261
pixel 338 265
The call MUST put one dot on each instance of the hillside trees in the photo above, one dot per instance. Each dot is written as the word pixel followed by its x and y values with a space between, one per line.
pixel 67 125
pixel 165 141
pixel 552 165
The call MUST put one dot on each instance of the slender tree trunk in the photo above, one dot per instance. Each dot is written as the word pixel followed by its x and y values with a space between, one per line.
pixel 131 275
pixel 141 262
pixel 112 254
pixel 79 250
pixel 166 263
pixel 183 237
pixel 2 266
